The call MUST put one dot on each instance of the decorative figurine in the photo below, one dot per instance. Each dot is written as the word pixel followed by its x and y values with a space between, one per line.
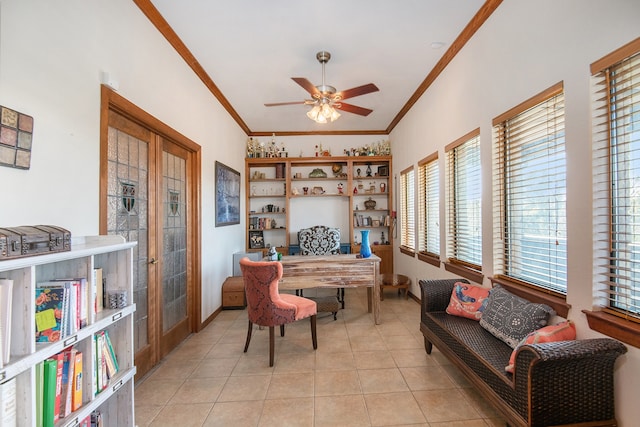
pixel 340 188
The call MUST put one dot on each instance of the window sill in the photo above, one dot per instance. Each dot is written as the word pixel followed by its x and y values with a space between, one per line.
pixel 616 327
pixel 559 304
pixel 429 259
pixel 464 271
pixel 407 251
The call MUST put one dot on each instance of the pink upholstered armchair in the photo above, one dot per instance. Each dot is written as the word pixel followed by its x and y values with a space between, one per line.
pixel 267 307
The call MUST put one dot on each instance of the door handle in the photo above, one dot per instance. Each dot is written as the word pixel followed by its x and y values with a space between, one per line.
pixel 153 261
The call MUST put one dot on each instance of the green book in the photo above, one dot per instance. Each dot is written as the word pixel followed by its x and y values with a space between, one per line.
pixel 39 392
pixel 49 392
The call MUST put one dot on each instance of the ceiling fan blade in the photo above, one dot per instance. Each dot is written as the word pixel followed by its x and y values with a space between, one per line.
pixel 306 85
pixel 349 108
pixel 356 91
pixel 276 104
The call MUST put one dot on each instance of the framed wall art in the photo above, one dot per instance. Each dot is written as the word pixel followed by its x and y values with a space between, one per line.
pixel 227 195
pixel 16 134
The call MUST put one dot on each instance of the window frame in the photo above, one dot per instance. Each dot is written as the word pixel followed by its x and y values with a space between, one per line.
pixel 427 193
pixel 407 211
pixel 454 264
pixel 602 318
pixel 505 149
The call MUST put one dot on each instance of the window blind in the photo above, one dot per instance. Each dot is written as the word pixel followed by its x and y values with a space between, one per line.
pixel 616 181
pixel 529 169
pixel 407 213
pixel 463 201
pixel 429 209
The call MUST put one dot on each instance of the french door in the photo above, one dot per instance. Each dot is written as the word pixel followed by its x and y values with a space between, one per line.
pixel 147 193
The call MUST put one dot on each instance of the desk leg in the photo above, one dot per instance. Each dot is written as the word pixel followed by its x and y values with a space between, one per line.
pixel 376 295
pixel 369 297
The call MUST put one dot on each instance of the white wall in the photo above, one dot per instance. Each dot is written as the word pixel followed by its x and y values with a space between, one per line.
pixel 51 57
pixel 524 48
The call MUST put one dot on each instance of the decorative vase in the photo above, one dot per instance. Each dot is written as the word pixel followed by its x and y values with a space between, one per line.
pixel 365 249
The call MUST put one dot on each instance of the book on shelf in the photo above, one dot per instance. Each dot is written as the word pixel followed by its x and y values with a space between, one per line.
pixel 50 308
pixel 8 411
pixel 97 292
pixel 86 422
pixel 39 392
pixel 100 372
pixel 76 399
pixel 68 373
pixel 49 392
pixel 62 308
pixel 108 354
pixel 96 419
pixel 6 295
pixel 59 358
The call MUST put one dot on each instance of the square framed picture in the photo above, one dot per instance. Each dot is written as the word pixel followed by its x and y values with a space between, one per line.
pixel 383 170
pixel 256 239
pixel 227 195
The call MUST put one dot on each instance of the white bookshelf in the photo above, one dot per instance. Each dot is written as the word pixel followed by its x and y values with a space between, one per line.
pixel 115 257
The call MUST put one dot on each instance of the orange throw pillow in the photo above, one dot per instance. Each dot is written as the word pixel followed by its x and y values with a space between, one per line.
pixel 564 331
pixel 468 300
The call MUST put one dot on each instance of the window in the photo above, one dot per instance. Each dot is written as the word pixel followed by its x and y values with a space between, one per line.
pixel 464 241
pixel 616 167
pixel 429 204
pixel 529 202
pixel 407 211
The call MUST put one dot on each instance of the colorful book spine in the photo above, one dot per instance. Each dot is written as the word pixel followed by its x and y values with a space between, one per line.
pixel 76 401
pixel 59 358
pixel 49 392
pixel 39 392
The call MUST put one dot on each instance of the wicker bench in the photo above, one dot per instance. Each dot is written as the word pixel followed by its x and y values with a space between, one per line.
pixel 561 383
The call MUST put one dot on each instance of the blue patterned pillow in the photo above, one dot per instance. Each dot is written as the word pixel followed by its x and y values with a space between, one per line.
pixel 511 318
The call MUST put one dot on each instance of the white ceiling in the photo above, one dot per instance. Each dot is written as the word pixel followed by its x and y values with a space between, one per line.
pixel 252 48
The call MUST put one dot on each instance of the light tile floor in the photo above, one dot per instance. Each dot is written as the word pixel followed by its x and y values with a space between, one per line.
pixel 360 375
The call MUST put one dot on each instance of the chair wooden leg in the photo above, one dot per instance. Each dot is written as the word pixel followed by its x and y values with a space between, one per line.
pixel 246 345
pixel 314 337
pixel 281 330
pixel 271 345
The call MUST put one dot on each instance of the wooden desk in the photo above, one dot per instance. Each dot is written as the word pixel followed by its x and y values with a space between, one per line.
pixel 334 271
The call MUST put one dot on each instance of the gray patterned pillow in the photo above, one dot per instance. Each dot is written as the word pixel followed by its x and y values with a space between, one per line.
pixel 511 318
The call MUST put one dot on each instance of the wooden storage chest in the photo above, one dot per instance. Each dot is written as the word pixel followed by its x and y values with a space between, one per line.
pixel 233 293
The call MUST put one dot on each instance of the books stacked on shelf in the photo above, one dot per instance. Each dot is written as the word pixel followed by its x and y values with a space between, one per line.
pixel 106 362
pixel 6 294
pixel 62 308
pixel 58 386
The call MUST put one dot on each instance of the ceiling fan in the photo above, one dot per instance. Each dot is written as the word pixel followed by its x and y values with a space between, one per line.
pixel 326 99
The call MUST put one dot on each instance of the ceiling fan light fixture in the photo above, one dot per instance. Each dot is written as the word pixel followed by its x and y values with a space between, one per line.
pixel 327 110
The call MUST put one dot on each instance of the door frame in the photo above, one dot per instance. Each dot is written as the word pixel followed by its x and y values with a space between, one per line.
pixel 111 101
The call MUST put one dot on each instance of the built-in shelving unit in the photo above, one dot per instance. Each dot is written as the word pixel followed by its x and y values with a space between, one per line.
pixel 114 256
pixel 276 185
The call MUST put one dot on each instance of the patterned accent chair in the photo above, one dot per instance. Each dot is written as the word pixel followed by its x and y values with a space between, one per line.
pixel 267 307
pixel 321 240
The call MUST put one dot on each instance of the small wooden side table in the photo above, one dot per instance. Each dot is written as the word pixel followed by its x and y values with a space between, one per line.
pixel 394 281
